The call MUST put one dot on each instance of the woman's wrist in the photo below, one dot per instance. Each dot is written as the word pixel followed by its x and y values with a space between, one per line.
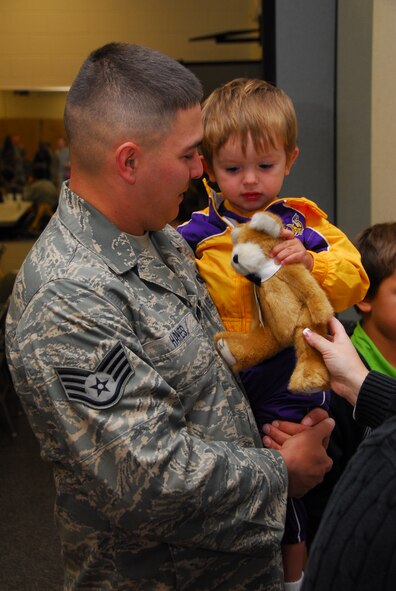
pixel 354 384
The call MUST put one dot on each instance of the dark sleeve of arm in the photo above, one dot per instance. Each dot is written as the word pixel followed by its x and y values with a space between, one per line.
pixel 377 400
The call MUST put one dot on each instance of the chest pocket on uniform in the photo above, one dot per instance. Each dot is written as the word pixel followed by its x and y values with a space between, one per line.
pixel 182 356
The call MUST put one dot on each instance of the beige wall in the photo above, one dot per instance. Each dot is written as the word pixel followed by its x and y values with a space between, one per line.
pixel 366 115
pixel 383 137
pixel 35 117
pixel 43 42
pixel 35 104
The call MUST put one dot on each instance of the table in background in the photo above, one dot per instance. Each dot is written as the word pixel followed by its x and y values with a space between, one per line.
pixel 11 211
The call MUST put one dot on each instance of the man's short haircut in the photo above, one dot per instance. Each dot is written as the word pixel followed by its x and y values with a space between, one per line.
pixel 248 107
pixel 125 91
pixel 377 247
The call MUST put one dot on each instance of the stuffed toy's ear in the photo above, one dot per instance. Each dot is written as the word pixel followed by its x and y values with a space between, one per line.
pixel 263 222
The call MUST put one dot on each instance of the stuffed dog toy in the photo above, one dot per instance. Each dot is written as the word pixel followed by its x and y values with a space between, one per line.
pixel 287 300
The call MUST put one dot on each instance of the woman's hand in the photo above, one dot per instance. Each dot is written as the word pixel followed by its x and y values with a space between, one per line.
pixel 347 372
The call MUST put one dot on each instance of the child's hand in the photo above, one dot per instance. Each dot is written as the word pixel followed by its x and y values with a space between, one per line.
pixel 291 251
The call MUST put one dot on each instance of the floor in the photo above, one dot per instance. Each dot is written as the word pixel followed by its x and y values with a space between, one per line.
pixel 29 545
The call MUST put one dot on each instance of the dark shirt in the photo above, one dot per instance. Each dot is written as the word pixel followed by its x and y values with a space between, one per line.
pixel 355 546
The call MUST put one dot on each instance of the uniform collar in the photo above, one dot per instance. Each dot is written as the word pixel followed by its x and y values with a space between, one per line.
pixel 96 232
pixel 121 252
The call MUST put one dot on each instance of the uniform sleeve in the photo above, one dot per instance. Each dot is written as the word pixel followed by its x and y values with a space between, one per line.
pixel 338 269
pixel 135 456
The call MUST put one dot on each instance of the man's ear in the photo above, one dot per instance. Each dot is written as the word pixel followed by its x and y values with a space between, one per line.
pixel 291 160
pixel 364 306
pixel 127 157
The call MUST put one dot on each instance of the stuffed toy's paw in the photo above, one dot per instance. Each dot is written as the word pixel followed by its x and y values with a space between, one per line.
pixel 222 347
pixel 309 377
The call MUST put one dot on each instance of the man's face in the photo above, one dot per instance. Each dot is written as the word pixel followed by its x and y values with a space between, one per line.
pixel 165 170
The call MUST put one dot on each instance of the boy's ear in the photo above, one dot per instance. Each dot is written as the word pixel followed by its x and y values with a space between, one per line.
pixel 364 306
pixel 207 169
pixel 127 159
pixel 291 160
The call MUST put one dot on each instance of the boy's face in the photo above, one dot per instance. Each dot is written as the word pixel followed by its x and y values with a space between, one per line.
pixel 253 180
pixel 379 312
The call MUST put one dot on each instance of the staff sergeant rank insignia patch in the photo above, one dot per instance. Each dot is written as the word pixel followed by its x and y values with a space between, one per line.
pixel 101 388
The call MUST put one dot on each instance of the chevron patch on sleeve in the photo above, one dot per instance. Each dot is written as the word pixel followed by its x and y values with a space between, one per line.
pixel 102 387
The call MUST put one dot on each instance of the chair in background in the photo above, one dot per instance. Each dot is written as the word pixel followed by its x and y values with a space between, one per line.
pixel 6 387
pixel 43 213
pixel 7 393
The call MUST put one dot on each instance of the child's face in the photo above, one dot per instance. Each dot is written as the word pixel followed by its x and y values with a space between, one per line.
pixel 253 180
pixel 380 311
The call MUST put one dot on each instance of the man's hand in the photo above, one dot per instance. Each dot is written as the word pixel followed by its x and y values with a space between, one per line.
pixel 291 251
pixel 278 432
pixel 305 455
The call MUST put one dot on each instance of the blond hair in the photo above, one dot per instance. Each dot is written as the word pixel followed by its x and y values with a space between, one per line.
pixel 246 108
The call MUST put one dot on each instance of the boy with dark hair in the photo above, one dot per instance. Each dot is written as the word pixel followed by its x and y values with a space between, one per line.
pixel 374 336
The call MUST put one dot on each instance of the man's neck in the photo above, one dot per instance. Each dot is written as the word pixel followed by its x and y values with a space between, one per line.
pixel 102 197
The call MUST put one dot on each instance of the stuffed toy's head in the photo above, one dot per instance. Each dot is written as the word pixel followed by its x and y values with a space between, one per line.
pixel 287 300
pixel 253 243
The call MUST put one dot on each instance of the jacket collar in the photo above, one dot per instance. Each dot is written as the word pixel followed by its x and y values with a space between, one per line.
pixel 96 232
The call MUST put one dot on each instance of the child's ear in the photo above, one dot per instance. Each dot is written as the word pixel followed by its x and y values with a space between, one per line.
pixel 291 160
pixel 364 306
pixel 208 170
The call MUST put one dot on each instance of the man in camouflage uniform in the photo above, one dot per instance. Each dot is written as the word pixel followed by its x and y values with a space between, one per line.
pixel 162 481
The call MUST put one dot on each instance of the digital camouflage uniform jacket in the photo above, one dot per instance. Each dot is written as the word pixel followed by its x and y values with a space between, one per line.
pixel 161 481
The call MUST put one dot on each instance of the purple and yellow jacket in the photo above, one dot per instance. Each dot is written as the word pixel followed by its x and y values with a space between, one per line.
pixel 337 268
